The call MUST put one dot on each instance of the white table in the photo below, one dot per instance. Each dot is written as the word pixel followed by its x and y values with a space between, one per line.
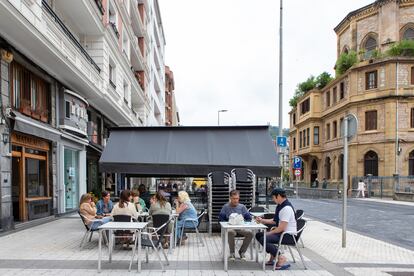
pixel 225 227
pixel 137 227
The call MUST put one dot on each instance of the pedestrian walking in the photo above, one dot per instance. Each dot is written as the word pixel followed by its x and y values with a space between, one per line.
pixel 361 188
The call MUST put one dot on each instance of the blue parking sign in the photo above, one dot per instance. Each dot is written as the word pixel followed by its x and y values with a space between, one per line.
pixel 297 162
pixel 281 141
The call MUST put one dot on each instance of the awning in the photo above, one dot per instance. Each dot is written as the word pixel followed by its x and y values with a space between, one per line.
pixel 30 126
pixel 189 151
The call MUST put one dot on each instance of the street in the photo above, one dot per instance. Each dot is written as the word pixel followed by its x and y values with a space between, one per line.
pixel 383 221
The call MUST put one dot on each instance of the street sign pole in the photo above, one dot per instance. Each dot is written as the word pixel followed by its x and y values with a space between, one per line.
pixel 297 184
pixel 345 195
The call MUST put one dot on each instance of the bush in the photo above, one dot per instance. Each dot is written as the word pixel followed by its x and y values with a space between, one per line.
pixel 404 48
pixel 323 79
pixel 345 61
pixel 311 83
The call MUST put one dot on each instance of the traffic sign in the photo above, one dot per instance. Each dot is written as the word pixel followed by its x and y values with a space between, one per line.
pixel 297 162
pixel 281 141
pixel 298 172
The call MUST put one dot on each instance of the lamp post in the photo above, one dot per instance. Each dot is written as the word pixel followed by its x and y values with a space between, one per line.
pixel 218 115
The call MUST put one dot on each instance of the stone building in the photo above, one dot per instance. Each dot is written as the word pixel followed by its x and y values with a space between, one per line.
pixel 379 90
pixel 171 111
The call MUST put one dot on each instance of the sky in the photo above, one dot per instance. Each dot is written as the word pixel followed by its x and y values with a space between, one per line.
pixel 225 54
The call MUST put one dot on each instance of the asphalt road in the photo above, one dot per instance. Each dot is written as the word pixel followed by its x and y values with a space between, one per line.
pixel 383 221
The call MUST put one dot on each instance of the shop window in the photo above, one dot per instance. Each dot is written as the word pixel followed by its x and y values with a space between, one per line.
pixel 341 90
pixel 316 135
pixel 371 80
pixel 371 120
pixel 36 185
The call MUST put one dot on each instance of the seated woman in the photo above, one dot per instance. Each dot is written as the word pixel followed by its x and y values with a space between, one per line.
pixel 139 202
pixel 186 210
pixel 104 206
pixel 160 206
pixel 87 209
pixel 124 206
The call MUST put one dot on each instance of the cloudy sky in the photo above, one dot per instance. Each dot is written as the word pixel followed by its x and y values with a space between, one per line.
pixel 224 54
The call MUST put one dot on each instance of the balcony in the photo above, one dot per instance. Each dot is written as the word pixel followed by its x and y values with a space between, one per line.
pixel 68 33
pixel 114 28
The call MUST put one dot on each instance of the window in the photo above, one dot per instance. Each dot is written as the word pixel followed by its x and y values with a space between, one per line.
pixel 316 135
pixel 307 136
pixel 370 46
pixel 412 118
pixel 300 139
pixel 409 34
pixel 294 143
pixel 304 137
pixel 328 98
pixel 29 93
pixel 294 118
pixel 112 75
pixel 328 168
pixel 67 109
pixel 412 75
pixel 341 90
pixel 411 163
pixel 334 92
pixel 335 129
pixel 328 131
pixel 340 126
pixel 371 163
pixel 371 120
pixel 371 80
pixel 305 106
pixel 36 183
pixel 341 166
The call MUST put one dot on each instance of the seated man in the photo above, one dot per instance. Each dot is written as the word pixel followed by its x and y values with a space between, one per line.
pixel 235 207
pixel 104 206
pixel 285 222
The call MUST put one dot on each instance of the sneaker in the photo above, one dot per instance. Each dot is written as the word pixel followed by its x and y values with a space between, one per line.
pixel 232 257
pixel 242 256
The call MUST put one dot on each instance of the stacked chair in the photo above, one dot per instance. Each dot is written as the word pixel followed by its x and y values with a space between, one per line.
pixel 218 194
pixel 244 180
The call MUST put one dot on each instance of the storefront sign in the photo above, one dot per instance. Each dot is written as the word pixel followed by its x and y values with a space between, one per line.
pixel 29 141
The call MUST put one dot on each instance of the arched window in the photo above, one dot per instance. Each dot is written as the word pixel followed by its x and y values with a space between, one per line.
pixel 345 50
pixel 371 163
pixel 370 46
pixel 408 34
pixel 341 166
pixel 411 163
pixel 328 168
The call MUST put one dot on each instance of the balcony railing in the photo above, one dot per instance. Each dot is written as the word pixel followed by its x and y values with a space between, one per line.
pixel 114 28
pixel 69 34
pixel 100 6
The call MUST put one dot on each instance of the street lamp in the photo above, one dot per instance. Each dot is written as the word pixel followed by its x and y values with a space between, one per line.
pixel 218 115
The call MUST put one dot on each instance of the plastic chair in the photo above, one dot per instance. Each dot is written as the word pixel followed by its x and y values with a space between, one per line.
pixel 298 215
pixel 153 238
pixel 89 231
pixel 290 240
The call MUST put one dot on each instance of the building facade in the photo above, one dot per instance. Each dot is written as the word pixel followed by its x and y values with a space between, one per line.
pixel 378 90
pixel 71 70
pixel 172 117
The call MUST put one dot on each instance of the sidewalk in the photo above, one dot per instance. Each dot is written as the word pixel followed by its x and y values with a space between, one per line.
pixel 53 249
pixel 387 200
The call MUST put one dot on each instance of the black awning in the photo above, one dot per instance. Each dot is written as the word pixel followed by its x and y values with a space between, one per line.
pixel 189 151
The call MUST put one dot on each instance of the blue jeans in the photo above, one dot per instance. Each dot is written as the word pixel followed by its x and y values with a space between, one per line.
pixel 99 222
pixel 271 240
pixel 186 224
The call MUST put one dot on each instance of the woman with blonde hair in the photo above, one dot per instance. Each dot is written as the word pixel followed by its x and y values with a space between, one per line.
pixel 87 210
pixel 186 210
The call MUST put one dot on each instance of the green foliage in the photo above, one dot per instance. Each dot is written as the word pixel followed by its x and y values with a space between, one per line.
pixel 404 48
pixel 322 80
pixel 307 85
pixel 294 100
pixel 345 61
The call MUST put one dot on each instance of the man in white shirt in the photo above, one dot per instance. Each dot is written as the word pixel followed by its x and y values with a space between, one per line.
pixel 284 221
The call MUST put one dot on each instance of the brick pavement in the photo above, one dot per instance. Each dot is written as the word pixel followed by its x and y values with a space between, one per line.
pixel 53 249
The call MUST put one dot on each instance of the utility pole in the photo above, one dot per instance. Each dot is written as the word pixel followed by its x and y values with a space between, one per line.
pixel 281 70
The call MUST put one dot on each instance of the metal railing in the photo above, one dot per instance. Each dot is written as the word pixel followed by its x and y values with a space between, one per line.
pixel 68 33
pixel 100 6
pixel 385 186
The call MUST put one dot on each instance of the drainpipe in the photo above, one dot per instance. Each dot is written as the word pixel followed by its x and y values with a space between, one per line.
pixel 397 146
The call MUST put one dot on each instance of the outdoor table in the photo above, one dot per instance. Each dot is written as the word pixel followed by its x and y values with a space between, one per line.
pixel 137 227
pixel 143 215
pixel 225 227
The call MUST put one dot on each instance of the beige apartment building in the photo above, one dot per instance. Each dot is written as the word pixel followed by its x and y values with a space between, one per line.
pixel 379 91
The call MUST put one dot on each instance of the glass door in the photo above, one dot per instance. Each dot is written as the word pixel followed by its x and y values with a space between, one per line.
pixel 71 178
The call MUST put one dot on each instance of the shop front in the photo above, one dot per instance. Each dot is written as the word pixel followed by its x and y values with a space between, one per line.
pixel 31 189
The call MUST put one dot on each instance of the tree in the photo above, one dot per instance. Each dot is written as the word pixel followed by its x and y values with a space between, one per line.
pixel 345 61
pixel 323 79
